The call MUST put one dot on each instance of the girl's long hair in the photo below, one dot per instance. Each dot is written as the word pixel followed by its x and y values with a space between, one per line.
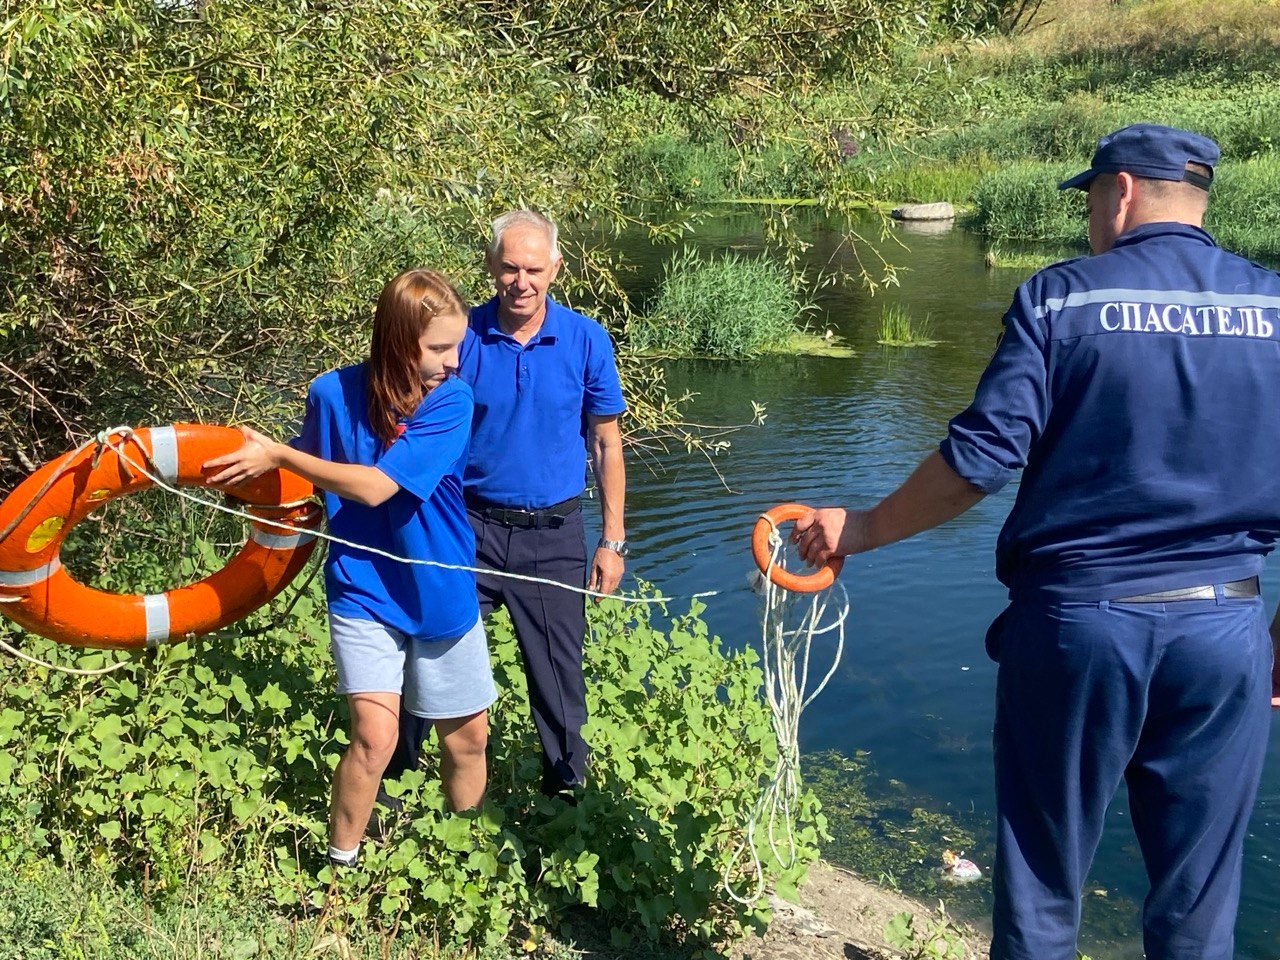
pixel 408 303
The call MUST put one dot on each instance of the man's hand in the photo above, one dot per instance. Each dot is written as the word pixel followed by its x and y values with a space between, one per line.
pixel 255 458
pixel 606 571
pixel 830 532
pixel 933 494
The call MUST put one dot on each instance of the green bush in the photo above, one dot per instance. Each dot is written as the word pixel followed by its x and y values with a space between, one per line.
pixel 1023 202
pixel 206 765
pixel 725 306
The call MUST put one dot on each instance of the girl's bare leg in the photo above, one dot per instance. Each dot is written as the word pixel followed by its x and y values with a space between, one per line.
pixel 462 758
pixel 374 729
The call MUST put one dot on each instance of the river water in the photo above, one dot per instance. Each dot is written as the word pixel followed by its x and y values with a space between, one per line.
pixel 915 688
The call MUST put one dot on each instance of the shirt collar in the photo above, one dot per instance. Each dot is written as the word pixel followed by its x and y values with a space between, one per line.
pixel 1164 229
pixel 484 320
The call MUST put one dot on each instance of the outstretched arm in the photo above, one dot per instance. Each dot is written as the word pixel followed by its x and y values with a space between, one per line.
pixel 933 494
pixel 353 481
pixel 611 480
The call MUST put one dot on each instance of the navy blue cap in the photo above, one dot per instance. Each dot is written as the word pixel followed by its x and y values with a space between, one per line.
pixel 1150 150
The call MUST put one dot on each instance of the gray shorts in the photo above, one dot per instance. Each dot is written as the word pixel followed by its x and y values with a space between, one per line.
pixel 438 680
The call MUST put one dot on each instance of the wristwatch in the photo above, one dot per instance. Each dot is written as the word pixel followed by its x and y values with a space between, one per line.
pixel 617 546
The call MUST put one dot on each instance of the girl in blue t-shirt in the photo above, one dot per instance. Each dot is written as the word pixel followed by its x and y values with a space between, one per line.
pixel 387 441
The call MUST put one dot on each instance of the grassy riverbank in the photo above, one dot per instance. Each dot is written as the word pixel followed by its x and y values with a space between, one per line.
pixel 1001 121
pixel 71 909
pixel 177 807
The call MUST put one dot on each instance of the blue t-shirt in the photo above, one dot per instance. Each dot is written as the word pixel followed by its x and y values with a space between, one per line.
pixel 528 442
pixel 425 519
pixel 1138 390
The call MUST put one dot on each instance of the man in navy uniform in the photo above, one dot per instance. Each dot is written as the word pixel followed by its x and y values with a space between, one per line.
pixel 1137 390
pixel 547 393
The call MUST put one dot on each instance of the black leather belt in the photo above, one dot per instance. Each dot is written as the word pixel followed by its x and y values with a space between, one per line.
pixel 543 517
pixel 1236 590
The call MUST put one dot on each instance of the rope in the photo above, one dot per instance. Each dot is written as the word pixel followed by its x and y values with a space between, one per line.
pixel 57 474
pixel 61 669
pixel 103 440
pixel 786 661
pixel 214 505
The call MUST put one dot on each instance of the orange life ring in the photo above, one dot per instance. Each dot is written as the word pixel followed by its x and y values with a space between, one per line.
pixel 820 579
pixel 42 596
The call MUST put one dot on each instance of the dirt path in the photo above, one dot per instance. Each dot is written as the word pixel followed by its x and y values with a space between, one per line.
pixel 842 916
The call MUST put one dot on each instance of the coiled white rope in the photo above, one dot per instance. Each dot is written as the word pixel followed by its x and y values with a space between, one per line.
pixel 787 652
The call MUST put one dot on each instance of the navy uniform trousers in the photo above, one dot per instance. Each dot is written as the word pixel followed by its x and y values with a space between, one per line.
pixel 1173 698
pixel 550 624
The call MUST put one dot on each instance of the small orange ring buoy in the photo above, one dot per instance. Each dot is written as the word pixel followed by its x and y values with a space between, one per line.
pixel 44 598
pixel 820 579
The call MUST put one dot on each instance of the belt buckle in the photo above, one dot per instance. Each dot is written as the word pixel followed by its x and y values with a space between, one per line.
pixel 524 519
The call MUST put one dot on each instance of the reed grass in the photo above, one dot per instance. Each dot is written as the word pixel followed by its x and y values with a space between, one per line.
pixel 728 306
pixel 1026 259
pixel 898 328
pixel 1022 204
pixel 906 179
pixel 670 165
pixel 673 165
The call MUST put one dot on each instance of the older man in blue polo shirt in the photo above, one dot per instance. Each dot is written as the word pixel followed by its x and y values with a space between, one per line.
pixel 1136 390
pixel 547 395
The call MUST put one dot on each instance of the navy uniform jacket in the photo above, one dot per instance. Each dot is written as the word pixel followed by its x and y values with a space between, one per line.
pixel 1139 391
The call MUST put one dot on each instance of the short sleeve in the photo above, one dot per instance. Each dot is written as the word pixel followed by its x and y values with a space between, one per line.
pixel 434 440
pixel 602 389
pixel 308 438
pixel 991 440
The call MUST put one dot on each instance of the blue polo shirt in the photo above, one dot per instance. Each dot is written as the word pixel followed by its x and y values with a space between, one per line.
pixel 528 441
pixel 1138 392
pixel 424 519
